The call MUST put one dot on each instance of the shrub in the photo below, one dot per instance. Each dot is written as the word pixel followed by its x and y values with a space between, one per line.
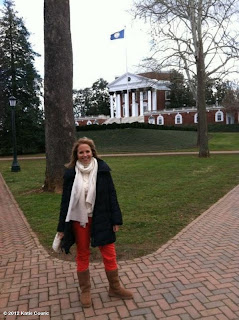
pixel 142 125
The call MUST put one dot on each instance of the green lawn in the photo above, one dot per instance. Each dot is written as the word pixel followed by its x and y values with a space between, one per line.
pixel 140 140
pixel 149 140
pixel 158 196
pixel 220 141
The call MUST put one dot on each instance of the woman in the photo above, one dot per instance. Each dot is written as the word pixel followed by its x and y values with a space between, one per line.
pixel 90 214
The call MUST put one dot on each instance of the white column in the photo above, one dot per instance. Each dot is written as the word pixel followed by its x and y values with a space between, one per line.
pixel 154 100
pixel 118 106
pixel 126 99
pixel 134 111
pixel 149 100
pixel 111 106
pixel 141 103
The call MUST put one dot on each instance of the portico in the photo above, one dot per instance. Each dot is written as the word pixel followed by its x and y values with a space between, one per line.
pixel 132 95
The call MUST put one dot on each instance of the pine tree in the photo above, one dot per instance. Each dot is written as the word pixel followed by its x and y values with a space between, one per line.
pixel 100 101
pixel 180 95
pixel 18 77
pixel 92 101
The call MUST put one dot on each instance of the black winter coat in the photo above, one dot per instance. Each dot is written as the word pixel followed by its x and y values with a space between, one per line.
pixel 106 211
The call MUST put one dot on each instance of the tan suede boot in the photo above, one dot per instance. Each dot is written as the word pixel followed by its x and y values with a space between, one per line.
pixel 115 290
pixel 84 282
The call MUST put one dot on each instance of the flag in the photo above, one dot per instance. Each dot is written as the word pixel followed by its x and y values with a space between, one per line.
pixel 117 35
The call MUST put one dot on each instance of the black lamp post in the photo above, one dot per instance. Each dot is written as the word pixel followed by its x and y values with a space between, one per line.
pixel 15 164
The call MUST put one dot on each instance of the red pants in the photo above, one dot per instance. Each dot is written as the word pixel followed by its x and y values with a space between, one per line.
pixel 82 238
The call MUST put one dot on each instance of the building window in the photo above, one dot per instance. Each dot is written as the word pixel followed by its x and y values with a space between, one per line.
pixel 123 107
pixel 178 119
pixel 145 95
pixel 151 120
pixel 196 118
pixel 167 95
pixel 230 118
pixel 123 97
pixel 219 117
pixel 145 106
pixel 160 120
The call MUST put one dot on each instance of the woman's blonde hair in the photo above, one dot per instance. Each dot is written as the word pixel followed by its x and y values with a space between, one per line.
pixel 74 157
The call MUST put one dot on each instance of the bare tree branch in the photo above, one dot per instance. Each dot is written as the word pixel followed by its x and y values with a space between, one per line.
pixel 196 36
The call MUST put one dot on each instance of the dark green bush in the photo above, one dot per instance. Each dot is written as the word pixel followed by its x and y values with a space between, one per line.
pixel 136 125
pixel 142 125
pixel 223 127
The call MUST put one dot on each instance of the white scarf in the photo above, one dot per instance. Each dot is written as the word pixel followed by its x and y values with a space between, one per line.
pixel 80 206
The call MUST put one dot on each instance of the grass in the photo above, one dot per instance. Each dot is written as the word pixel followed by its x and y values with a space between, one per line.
pixel 158 196
pixel 140 140
pixel 221 141
pixel 147 140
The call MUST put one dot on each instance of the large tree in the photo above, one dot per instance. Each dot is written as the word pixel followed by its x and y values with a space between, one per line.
pixel 82 101
pixel 60 125
pixel 92 101
pixel 197 36
pixel 230 99
pixel 100 100
pixel 180 94
pixel 18 77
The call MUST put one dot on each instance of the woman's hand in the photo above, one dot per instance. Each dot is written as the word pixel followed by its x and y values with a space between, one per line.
pixel 61 234
pixel 116 228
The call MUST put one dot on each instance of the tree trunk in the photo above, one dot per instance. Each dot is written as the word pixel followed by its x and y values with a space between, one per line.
pixel 201 100
pixel 59 119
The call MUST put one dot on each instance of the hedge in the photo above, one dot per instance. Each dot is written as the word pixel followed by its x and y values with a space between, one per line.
pixel 142 125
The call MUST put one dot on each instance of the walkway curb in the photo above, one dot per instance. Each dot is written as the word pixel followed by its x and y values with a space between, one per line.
pixel 134 154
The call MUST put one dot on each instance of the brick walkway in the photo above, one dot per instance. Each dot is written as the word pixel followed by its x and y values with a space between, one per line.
pixel 194 276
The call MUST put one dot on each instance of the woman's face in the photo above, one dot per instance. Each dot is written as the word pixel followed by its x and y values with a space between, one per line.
pixel 84 154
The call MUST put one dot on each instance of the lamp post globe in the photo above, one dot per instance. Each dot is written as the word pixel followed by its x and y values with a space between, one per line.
pixel 12 101
pixel 15 164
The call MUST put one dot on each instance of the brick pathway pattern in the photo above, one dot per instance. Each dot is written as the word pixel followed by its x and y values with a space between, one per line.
pixel 193 276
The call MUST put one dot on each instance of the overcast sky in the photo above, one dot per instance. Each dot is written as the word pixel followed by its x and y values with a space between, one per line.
pixel 92 22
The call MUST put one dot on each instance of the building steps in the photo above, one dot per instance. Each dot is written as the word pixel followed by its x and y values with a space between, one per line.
pixel 125 120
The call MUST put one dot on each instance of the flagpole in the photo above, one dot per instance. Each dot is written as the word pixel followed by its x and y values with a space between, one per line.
pixel 119 35
pixel 126 64
pixel 126 53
